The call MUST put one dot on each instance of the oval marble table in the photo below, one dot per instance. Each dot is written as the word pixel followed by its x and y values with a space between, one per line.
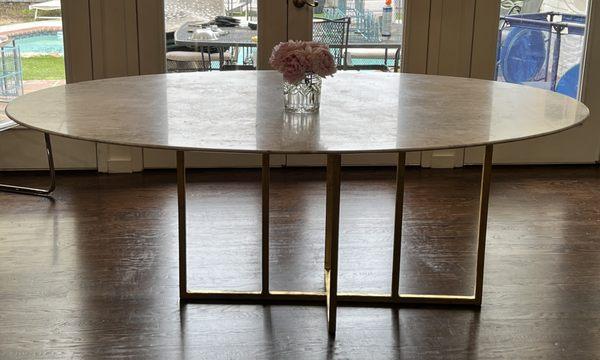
pixel 360 113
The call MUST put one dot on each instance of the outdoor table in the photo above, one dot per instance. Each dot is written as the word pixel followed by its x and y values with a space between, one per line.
pixel 361 112
pixel 241 36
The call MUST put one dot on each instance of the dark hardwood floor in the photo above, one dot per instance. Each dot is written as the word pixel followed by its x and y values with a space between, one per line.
pixel 93 274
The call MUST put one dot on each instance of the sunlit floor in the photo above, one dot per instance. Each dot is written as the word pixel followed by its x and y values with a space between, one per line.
pixel 93 274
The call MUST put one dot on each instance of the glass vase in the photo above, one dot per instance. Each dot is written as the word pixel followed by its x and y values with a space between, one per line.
pixel 303 97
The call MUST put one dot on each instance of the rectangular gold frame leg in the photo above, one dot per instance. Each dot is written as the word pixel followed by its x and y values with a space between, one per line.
pixel 265 181
pixel 181 210
pixel 486 180
pixel 327 260
pixel 400 172
pixel 332 230
pixel 331 298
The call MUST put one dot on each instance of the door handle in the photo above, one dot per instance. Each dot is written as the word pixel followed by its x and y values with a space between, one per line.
pixel 300 3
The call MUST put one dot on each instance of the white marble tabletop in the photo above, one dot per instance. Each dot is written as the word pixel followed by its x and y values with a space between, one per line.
pixel 242 111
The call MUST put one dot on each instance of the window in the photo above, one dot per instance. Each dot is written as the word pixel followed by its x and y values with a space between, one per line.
pixel 541 43
pixel 370 43
pixel 207 35
pixel 31 48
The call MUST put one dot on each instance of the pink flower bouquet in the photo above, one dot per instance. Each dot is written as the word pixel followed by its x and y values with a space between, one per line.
pixel 296 59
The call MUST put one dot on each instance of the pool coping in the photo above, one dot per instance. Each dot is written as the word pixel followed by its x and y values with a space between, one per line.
pixel 21 29
pixel 11 31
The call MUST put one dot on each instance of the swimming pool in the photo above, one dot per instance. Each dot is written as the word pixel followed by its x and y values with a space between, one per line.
pixel 41 43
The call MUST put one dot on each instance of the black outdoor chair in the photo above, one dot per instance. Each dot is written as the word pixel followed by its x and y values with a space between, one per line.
pixel 369 67
pixel 335 34
pixel 237 67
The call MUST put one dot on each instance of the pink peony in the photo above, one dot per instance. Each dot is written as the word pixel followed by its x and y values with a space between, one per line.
pixel 297 58
pixel 282 50
pixel 294 66
pixel 315 44
pixel 322 62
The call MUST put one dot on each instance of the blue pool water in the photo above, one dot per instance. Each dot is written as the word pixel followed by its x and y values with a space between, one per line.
pixel 41 43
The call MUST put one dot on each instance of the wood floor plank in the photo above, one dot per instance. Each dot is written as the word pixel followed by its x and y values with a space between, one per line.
pixel 93 274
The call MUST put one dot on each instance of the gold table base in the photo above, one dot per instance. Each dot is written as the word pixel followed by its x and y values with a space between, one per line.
pixel 331 298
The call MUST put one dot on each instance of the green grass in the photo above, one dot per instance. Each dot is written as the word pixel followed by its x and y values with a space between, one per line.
pixel 44 67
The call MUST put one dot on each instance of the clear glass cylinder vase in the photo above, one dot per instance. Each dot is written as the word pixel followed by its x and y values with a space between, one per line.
pixel 303 97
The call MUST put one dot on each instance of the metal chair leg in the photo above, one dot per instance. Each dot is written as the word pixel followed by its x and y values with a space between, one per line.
pixel 34 191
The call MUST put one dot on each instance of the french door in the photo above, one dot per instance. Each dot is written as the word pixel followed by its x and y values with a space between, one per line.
pixel 552 44
pixel 278 21
pixel 469 38
pixel 446 37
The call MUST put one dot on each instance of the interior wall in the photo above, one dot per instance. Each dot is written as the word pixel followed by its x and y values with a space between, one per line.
pixel 112 38
pixel 109 38
pixel 76 36
pixel 452 38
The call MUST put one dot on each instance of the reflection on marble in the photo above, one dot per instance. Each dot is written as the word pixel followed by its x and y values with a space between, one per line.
pixel 243 112
pixel 299 128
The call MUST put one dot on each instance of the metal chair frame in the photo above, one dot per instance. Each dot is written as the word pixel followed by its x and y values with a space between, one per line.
pixel 331 298
pixel 36 191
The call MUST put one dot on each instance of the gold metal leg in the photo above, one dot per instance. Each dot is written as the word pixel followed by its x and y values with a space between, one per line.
pixel 183 294
pixel 332 230
pixel 331 298
pixel 266 180
pixel 400 170
pixel 327 259
pixel 486 180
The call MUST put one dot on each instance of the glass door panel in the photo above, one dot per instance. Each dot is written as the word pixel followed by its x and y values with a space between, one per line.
pixel 372 38
pixel 359 46
pixel 205 35
pixel 541 44
pixel 31 49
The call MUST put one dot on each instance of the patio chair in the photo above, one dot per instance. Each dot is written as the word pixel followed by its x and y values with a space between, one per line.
pixel 46 6
pixel 335 34
pixel 237 67
pixel 183 61
pixel 385 56
pixel 531 6
pixel 5 125
pixel 515 7
pixel 369 67
pixel 509 7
